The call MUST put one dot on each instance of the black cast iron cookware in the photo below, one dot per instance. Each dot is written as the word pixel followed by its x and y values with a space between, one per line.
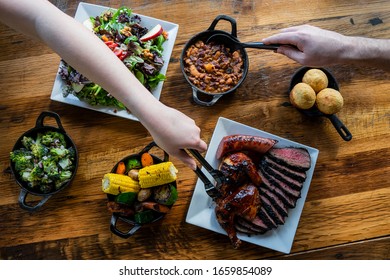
pixel 230 41
pixel 116 217
pixel 202 97
pixel 25 189
pixel 313 111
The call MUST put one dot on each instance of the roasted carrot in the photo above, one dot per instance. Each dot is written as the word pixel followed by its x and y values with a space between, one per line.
pixel 105 38
pixel 146 159
pixel 121 168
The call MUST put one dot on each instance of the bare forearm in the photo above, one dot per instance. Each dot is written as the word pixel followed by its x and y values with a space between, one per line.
pixel 367 51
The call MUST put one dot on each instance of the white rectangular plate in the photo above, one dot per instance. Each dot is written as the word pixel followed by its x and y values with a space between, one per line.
pixel 201 211
pixel 84 11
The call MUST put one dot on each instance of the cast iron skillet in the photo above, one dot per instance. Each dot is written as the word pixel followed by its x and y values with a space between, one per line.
pixel 134 226
pixel 313 111
pixel 25 189
pixel 209 99
pixel 229 40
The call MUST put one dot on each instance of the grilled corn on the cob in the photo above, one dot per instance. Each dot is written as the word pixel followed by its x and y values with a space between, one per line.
pixel 157 174
pixel 118 183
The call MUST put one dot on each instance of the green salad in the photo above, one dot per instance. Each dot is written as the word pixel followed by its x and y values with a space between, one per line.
pixel 137 47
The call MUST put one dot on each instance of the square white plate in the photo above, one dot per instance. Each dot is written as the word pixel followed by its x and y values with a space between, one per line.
pixel 83 12
pixel 201 211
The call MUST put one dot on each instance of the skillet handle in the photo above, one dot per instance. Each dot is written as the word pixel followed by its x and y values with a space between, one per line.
pixel 43 115
pixel 227 18
pixel 340 127
pixel 31 208
pixel 114 229
pixel 214 99
pixel 150 146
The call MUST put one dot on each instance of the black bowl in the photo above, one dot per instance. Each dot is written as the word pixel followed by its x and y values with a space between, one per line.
pixel 25 188
pixel 129 220
pixel 200 96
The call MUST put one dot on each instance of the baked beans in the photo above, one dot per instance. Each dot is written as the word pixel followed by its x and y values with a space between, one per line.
pixel 212 67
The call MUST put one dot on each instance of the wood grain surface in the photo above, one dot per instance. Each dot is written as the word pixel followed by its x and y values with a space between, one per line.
pixel 347 211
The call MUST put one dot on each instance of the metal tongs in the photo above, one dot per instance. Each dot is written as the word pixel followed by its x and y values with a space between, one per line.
pixel 211 189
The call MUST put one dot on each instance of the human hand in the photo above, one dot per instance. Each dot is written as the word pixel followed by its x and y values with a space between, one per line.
pixel 314 46
pixel 173 131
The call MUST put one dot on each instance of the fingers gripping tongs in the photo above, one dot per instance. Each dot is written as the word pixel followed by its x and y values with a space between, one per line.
pixel 213 190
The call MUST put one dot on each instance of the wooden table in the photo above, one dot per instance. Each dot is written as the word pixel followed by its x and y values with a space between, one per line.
pixel 347 210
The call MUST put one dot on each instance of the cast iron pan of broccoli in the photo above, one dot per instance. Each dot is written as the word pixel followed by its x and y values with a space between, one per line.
pixel 43 161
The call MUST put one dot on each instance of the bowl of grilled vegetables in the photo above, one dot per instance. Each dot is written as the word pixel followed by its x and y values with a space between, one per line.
pixel 141 189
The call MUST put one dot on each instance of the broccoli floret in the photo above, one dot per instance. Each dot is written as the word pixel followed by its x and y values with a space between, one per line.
pixel 53 177
pixel 20 153
pixel 59 152
pixel 38 149
pixel 28 142
pixel 22 159
pixel 50 167
pixel 53 138
pixel 65 163
pixel 36 174
pixel 64 177
pixel 47 182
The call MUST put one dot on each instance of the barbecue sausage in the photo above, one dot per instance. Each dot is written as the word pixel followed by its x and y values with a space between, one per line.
pixel 240 142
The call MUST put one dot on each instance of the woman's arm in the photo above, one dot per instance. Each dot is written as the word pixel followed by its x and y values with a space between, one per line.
pixel 84 51
pixel 318 47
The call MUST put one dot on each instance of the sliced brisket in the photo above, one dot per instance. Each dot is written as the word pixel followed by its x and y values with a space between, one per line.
pixel 258 222
pixel 282 177
pixel 272 211
pixel 280 206
pixel 265 217
pixel 250 227
pixel 300 176
pixel 282 185
pixel 295 158
pixel 244 229
pixel 287 199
